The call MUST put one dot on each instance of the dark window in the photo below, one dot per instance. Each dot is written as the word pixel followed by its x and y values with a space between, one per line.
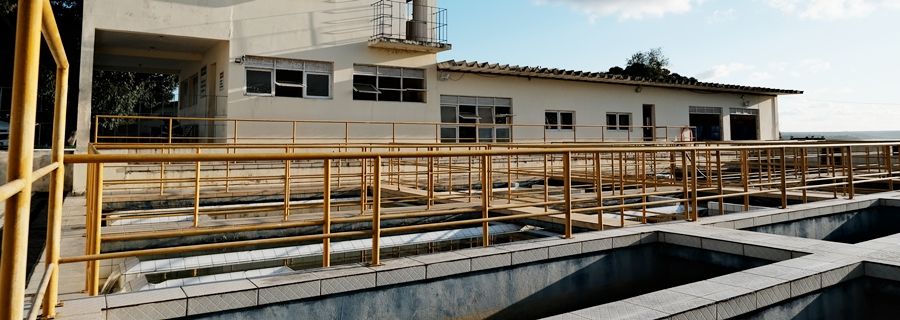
pixel 374 83
pixel 567 120
pixel 288 77
pixel 289 83
pixel 559 120
pixel 551 120
pixel 318 85
pixel 618 121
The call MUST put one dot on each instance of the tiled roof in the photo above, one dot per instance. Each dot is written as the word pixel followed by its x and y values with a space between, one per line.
pixel 600 77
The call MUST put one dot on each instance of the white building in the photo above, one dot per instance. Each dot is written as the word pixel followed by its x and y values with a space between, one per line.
pixel 368 60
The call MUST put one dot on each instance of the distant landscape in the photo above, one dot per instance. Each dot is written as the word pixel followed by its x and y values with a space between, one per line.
pixel 843 135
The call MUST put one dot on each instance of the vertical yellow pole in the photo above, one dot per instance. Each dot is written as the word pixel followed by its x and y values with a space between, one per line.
pixel 720 182
pixel 326 213
pixel 849 164
pixel 57 184
pixel 784 178
pixel 745 179
pixel 95 228
pixel 567 192
pixel 429 191
pixel 89 220
pixel 197 192
pixel 287 189
pixel 21 152
pixel 485 200
pixel 376 212
pixel 598 168
pixel 694 204
pixel 889 163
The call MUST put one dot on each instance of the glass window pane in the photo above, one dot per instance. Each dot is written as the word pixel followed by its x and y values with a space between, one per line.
pixel 414 96
pixel 551 120
pixel 288 83
pixel 318 85
pixel 448 134
pixel 567 119
pixel 388 71
pixel 502 133
pixel 390 95
pixel 259 81
pixel 467 134
pixel 414 73
pixel 368 70
pixel 448 114
pixel 389 83
pixel 413 83
pixel 611 121
pixel 486 114
pixel 624 121
pixel 485 134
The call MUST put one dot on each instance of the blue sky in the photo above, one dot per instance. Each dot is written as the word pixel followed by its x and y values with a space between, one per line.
pixel 844 53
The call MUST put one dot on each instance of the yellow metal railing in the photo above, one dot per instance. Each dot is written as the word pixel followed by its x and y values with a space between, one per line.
pixel 618 180
pixel 34 17
pixel 291 131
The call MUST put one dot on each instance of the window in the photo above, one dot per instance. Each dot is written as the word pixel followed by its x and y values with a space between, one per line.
pixel 618 121
pixel 475 119
pixel 559 120
pixel 288 77
pixel 376 83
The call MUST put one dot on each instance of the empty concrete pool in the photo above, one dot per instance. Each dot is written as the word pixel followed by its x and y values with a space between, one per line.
pixel 527 286
pixel 849 226
pixel 861 298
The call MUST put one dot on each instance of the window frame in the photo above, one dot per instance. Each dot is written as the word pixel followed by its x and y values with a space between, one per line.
pixel 402 76
pixel 618 126
pixel 273 70
pixel 559 126
pixel 506 127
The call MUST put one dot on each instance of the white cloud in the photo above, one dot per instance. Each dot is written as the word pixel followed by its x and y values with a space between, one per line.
pixel 805 114
pixel 719 16
pixel 627 9
pixel 722 71
pixel 832 9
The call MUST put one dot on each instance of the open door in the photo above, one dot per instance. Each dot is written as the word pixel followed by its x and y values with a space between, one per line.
pixel 649 123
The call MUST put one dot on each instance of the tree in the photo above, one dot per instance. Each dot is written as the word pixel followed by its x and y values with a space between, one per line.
pixel 121 93
pixel 651 64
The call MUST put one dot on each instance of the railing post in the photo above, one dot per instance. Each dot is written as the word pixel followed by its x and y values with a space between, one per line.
pixel 430 183
pixel 598 176
pixel 720 182
pixel 97 221
pixel 485 200
pixel 170 130
pixel 889 163
pixel 567 192
pixel 849 165
pixel 695 213
pixel 234 132
pixel 376 212
pixel 197 192
pixel 784 201
pixel 326 213
pixel 684 185
pixel 57 185
pixel 21 152
pixel 346 132
pixel 745 178
pixel 287 188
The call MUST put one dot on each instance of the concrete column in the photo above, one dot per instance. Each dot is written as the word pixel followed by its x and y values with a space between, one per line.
pixel 85 81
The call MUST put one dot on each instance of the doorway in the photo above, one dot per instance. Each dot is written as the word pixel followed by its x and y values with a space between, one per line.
pixel 744 127
pixel 649 123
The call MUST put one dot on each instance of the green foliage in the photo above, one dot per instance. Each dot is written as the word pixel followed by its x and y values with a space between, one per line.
pixel 120 93
pixel 651 64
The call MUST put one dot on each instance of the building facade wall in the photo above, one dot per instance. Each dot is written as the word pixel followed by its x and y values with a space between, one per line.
pixel 337 32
